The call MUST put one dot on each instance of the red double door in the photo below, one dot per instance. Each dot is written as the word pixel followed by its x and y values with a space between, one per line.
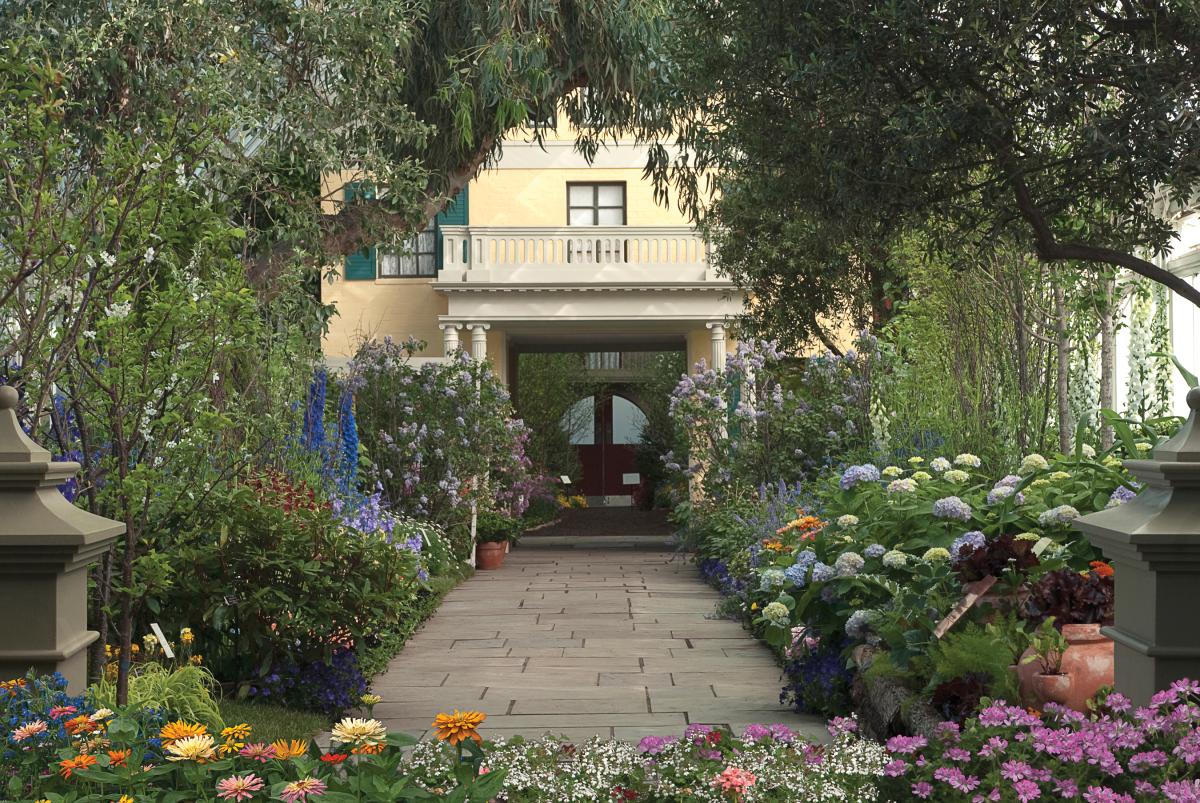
pixel 608 457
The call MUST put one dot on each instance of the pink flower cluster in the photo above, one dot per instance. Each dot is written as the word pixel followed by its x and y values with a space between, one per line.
pixel 1120 754
pixel 735 780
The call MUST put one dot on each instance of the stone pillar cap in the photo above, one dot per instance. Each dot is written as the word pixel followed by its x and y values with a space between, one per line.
pixel 1184 447
pixel 34 516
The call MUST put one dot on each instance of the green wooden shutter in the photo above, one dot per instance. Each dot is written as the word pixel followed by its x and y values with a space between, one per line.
pixel 456 213
pixel 360 266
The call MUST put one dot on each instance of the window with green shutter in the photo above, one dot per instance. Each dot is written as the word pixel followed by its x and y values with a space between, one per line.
pixel 456 213
pixel 360 266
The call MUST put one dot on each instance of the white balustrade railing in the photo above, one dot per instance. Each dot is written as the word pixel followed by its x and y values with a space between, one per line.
pixel 604 253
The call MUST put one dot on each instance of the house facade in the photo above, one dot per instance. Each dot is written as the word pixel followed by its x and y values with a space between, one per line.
pixel 543 251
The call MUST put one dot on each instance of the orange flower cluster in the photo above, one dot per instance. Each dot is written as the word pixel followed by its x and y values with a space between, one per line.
pixel 775 545
pixel 80 724
pixel 1101 568
pixel 807 526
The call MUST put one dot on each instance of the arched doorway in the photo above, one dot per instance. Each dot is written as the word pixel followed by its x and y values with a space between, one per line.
pixel 605 430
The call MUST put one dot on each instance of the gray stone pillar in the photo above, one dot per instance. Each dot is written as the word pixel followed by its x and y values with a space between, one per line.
pixel 1153 542
pixel 46 544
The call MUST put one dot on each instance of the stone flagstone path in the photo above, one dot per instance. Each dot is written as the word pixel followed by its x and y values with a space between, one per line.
pixel 581 637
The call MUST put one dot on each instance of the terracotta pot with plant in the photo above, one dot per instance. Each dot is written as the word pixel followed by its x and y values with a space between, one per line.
pixel 1078 604
pixel 493 534
pixel 1049 684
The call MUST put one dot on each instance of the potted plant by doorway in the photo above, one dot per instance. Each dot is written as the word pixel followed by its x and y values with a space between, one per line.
pixel 493 533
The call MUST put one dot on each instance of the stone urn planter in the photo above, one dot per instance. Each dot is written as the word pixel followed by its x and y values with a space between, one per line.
pixel 1087 663
pixel 490 554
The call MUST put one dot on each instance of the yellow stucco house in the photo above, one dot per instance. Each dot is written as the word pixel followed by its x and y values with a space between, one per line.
pixel 541 252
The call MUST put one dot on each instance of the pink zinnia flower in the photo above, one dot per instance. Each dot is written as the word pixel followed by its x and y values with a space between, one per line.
pixel 29 730
pixel 258 752
pixel 302 789
pixel 60 711
pixel 239 787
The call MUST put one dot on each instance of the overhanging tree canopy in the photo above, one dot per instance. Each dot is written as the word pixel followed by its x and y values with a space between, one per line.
pixel 1066 122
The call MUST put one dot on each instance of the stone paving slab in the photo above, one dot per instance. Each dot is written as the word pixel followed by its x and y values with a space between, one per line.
pixel 607 636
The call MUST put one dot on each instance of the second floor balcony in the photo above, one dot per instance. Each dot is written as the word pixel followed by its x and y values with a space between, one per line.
pixel 575 256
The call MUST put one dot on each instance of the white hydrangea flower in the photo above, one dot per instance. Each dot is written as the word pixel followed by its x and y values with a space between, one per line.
pixel 969 460
pixel 939 464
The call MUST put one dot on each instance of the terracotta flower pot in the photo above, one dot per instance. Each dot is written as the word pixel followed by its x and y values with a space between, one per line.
pixel 1087 661
pixel 489 555
pixel 1052 688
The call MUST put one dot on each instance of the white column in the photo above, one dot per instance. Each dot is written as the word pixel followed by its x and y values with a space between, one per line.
pixel 479 340
pixel 449 338
pixel 718 344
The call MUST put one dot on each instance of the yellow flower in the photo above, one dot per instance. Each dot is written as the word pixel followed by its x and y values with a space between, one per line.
pixel 101 713
pixel 285 750
pixel 356 731
pixel 192 748
pixel 134 648
pixel 174 731
pixel 459 726
pixel 121 799
pixel 230 747
pixel 196 660
pixel 185 635
pixel 240 731
pixel 370 699
pixel 754 606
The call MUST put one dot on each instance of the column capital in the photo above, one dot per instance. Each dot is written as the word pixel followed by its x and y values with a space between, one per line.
pixel 447 326
pixel 717 327
pixel 477 327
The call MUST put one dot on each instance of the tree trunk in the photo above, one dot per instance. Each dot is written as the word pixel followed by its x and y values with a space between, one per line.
pixel 1108 363
pixel 1065 425
pixel 1023 384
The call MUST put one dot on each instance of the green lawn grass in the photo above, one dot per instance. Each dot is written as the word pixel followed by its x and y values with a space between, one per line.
pixel 271 722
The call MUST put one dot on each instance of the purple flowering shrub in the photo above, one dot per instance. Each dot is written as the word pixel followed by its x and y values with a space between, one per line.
pixel 759 420
pixel 1122 754
pixel 441 436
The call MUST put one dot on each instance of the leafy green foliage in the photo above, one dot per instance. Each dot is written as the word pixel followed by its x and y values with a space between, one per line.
pixel 182 692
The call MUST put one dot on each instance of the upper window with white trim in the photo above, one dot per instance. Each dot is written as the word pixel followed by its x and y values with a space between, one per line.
pixel 600 204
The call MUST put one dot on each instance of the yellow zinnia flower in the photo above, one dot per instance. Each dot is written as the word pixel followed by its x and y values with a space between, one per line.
pixel 239 731
pixel 193 748
pixel 459 726
pixel 359 732
pixel 125 799
pixel 174 731
pixel 285 750
pixel 370 699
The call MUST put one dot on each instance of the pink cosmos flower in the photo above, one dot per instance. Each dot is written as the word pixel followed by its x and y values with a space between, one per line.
pixel 239 787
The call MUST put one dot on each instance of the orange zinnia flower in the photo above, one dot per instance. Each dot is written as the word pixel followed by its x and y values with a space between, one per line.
pixel 80 762
pixel 285 750
pixel 80 724
pixel 335 758
pixel 368 749
pixel 174 731
pixel 459 726
pixel 1101 568
pixel 116 758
